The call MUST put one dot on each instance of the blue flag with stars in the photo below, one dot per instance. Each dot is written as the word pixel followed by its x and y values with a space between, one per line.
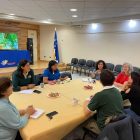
pixel 56 51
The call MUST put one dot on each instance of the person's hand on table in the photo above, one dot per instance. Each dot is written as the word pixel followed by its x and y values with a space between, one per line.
pixel 23 87
pixel 66 77
pixel 92 75
pixel 62 79
pixel 125 86
pixel 52 82
pixel 127 91
pixel 30 86
pixel 30 110
pixel 85 108
pixel 22 112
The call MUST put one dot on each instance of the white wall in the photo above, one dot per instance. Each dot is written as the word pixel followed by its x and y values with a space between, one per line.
pixel 113 42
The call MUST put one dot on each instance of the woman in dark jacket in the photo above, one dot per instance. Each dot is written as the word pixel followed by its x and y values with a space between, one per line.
pixel 131 91
pixel 23 77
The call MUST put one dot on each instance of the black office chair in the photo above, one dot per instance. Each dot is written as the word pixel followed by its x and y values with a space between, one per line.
pixel 136 69
pixel 38 79
pixel 81 63
pixel 74 61
pixel 93 68
pixel 90 64
pixel 110 66
pixel 64 74
pixel 117 69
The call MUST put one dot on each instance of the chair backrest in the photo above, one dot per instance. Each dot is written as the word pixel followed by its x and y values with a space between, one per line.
pixel 74 60
pixel 136 69
pixel 90 63
pixel 118 68
pixel 38 79
pixel 110 66
pixel 82 62
pixel 120 130
pixel 64 74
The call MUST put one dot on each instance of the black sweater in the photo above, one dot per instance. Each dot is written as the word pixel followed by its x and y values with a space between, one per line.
pixel 134 98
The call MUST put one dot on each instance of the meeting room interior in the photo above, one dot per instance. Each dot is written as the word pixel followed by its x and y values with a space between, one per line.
pixel 69 69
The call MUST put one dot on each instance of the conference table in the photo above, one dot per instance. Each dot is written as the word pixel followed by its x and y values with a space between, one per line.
pixel 69 115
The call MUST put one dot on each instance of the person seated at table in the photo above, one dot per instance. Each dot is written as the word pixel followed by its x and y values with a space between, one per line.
pixel 11 119
pixel 131 91
pixel 100 65
pixel 124 75
pixel 108 103
pixel 23 77
pixel 52 74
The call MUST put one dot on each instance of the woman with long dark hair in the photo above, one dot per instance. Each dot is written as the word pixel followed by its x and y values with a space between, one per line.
pixel 100 65
pixel 11 119
pixel 131 91
pixel 23 77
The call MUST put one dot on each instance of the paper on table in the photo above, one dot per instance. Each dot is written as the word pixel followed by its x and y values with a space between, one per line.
pixel 85 79
pixel 28 91
pixel 37 114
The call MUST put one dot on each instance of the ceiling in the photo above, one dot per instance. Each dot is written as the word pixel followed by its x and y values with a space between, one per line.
pixel 58 11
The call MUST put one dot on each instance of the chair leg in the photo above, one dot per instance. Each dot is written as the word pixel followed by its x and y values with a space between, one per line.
pixel 72 70
pixel 66 68
pixel 77 70
pixel 84 136
pixel 85 71
pixel 80 71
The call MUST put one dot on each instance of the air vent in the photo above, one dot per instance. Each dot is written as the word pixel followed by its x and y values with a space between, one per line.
pixel 77 26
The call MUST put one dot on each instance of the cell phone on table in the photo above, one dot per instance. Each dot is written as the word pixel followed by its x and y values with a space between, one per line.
pixel 37 91
pixel 51 114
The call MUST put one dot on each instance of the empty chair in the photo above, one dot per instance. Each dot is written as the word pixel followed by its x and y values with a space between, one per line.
pixel 74 61
pixel 38 79
pixel 136 69
pixel 93 68
pixel 81 63
pixel 66 74
pixel 117 69
pixel 90 64
pixel 110 66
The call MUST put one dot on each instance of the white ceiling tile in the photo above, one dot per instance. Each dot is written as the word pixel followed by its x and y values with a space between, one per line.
pixel 59 10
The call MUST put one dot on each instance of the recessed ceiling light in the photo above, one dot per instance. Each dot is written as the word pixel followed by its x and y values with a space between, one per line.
pixel 11 14
pixel 73 10
pixel 46 21
pixel 132 23
pixel 74 16
pixel 10 17
pixel 94 26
